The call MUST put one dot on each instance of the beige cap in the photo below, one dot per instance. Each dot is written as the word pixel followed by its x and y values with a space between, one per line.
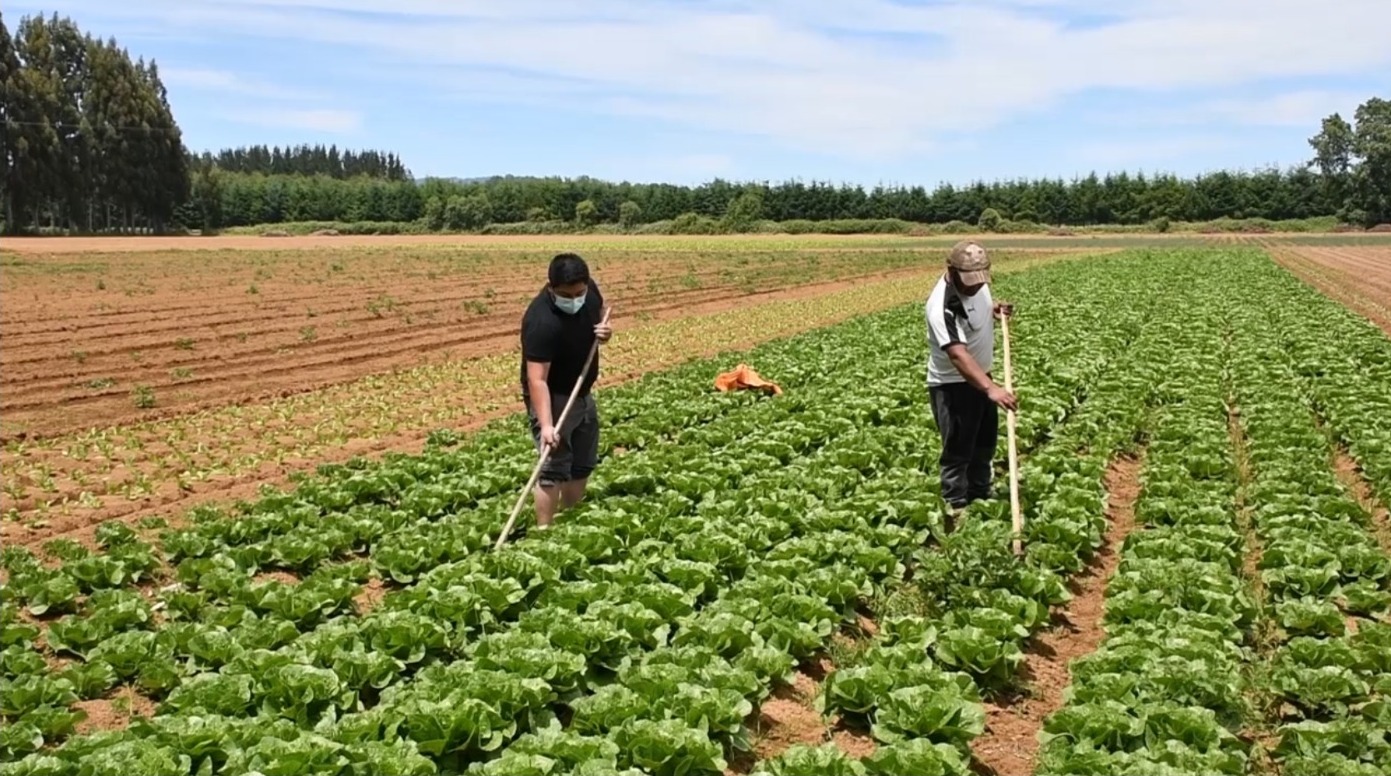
pixel 970 261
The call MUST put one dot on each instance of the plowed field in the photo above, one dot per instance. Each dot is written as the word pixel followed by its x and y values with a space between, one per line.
pixel 140 381
pixel 1359 277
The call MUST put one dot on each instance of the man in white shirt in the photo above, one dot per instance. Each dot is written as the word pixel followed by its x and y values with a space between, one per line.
pixel 965 399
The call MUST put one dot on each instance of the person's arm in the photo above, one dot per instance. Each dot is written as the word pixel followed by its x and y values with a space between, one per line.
pixel 540 392
pixel 602 331
pixel 538 348
pixel 969 369
pixel 943 327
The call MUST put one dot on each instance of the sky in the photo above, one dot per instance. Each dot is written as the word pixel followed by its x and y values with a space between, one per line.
pixel 682 91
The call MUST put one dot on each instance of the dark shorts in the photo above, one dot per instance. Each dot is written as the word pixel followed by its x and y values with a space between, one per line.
pixel 578 453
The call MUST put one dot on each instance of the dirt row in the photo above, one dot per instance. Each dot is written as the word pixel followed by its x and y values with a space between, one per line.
pixel 1359 278
pixel 1009 746
pixel 159 363
pixel 366 417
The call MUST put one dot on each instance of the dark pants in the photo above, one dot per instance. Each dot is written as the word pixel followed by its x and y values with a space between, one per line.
pixel 578 453
pixel 969 423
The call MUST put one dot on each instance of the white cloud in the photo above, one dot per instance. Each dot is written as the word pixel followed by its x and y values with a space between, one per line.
pixel 781 68
pixel 329 121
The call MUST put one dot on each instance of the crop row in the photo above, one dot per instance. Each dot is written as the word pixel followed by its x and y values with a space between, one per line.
pixel 81 470
pixel 983 605
pixel 1163 692
pixel 1327 582
pixel 631 493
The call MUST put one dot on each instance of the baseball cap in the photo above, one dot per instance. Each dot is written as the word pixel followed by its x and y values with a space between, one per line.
pixel 970 261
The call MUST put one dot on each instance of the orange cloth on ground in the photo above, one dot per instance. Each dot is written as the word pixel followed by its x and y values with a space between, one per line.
pixel 744 377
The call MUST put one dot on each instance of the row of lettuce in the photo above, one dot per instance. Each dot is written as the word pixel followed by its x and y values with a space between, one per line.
pixel 1326 582
pixel 986 604
pixel 1164 692
pixel 728 538
pixel 724 545
pixel 1205 655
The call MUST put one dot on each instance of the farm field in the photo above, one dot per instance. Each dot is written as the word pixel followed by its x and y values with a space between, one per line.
pixel 1359 276
pixel 131 383
pixel 760 585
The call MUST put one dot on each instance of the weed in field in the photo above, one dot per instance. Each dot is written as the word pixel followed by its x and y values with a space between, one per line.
pixel 252 289
pixel 80 356
pixel 381 305
pixel 184 343
pixel 181 373
pixel 99 383
pixel 476 307
pixel 143 396
pixel 308 334
pixel 101 284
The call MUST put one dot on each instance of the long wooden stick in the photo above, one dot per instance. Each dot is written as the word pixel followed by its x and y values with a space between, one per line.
pixel 546 448
pixel 1010 421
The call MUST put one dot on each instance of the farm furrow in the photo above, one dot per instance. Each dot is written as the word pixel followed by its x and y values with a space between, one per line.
pixel 743 559
pixel 898 445
pixel 1164 690
pixel 1328 677
pixel 271 371
pixel 237 441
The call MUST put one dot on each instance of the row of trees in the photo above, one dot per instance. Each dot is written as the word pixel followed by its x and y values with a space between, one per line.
pixel 306 160
pixel 90 142
pixel 1122 198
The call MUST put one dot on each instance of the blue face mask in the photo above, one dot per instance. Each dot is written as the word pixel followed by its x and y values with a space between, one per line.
pixel 569 306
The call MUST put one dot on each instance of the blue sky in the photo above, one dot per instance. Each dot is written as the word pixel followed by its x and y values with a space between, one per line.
pixel 862 91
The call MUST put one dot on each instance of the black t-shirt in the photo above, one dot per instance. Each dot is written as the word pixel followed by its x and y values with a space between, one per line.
pixel 563 340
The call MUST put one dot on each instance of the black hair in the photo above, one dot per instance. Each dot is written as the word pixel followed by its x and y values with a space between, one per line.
pixel 567 268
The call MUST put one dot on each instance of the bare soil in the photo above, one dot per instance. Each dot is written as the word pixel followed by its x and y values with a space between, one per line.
pixel 1009 745
pixel 1358 277
pixel 115 712
pixel 371 596
pixel 788 718
pixel 1351 475
pixel 96 342
pixel 171 499
pixel 88 245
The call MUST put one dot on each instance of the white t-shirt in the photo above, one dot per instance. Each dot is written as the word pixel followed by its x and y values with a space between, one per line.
pixel 954 317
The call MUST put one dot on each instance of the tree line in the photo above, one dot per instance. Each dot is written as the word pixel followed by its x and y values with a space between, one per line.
pixel 90 144
pixel 226 200
pixel 305 160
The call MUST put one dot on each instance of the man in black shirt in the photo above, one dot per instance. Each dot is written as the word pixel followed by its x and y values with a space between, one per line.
pixel 558 329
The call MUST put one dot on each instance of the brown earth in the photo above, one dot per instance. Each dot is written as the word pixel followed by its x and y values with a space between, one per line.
pixel 115 712
pixel 95 342
pixel 1010 742
pixel 67 485
pixel 1358 277
pixel 1351 476
pixel 88 245
pixel 789 717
